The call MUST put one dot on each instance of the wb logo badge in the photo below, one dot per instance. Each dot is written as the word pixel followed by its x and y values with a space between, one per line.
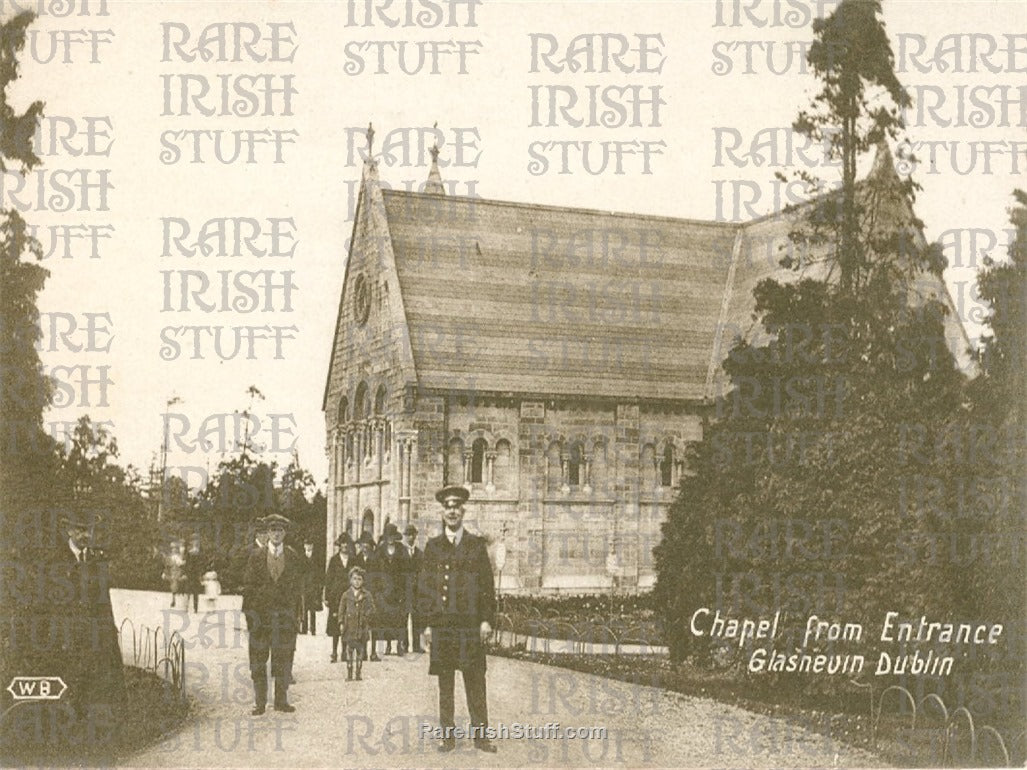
pixel 37 688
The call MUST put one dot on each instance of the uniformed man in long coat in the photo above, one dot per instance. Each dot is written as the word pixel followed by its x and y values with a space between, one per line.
pixel 273 583
pixel 456 596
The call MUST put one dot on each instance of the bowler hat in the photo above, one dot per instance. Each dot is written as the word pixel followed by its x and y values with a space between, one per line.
pixel 453 491
pixel 79 520
pixel 366 538
pixel 341 539
pixel 276 520
pixel 410 530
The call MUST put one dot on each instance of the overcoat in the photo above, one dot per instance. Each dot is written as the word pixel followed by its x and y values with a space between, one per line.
pixel 273 606
pixel 89 657
pixel 385 580
pixel 335 582
pixel 356 611
pixel 456 594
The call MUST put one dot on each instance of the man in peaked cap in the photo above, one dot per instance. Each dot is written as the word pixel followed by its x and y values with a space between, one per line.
pixel 456 597
pixel 274 582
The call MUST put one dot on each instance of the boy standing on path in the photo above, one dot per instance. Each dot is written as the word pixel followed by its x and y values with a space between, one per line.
pixel 356 610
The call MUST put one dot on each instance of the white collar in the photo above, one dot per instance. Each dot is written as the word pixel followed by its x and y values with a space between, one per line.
pixel 275 550
pixel 75 550
pixel 454 537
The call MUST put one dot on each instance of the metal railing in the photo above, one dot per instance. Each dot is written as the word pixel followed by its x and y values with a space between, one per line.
pixel 952 722
pixel 155 651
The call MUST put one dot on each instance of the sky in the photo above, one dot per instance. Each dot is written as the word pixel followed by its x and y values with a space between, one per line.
pixel 692 83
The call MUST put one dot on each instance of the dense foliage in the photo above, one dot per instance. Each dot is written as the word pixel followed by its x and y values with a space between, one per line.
pixel 852 469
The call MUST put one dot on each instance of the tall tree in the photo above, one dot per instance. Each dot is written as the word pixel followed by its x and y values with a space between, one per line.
pixel 853 60
pixel 25 391
pixel 801 480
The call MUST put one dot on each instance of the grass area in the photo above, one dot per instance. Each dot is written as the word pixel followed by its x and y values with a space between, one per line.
pixel 845 719
pixel 50 734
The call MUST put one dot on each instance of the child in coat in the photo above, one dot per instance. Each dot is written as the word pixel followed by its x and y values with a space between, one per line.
pixel 356 613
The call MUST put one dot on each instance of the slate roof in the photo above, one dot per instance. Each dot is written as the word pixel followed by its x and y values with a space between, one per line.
pixel 554 301
pixel 524 298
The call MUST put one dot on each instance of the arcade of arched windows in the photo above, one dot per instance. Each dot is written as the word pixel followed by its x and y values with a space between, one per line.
pixel 363 434
pixel 661 464
pixel 584 465
pixel 570 465
pixel 578 464
pixel 481 462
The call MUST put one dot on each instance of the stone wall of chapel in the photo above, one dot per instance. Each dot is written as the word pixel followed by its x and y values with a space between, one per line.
pixel 588 527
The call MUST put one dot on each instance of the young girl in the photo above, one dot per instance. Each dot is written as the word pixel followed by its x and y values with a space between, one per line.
pixel 356 610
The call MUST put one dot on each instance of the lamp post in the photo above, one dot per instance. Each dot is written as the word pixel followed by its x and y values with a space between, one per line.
pixel 500 563
pixel 164 456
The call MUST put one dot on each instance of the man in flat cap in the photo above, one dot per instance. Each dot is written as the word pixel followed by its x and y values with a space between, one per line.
pixel 456 596
pixel 273 584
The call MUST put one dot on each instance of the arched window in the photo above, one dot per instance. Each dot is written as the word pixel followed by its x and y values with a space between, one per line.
pixel 455 461
pixel 575 467
pixel 379 400
pixel 367 523
pixel 667 466
pixel 344 411
pixel 361 403
pixel 504 465
pixel 478 460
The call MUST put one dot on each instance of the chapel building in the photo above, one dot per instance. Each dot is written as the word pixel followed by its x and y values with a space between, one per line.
pixel 555 361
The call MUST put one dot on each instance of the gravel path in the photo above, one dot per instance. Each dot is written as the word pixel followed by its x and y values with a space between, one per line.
pixel 378 722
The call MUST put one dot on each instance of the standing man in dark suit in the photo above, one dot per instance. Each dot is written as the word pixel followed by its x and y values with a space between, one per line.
pixel 311 597
pixel 414 556
pixel 273 584
pixel 336 582
pixel 89 659
pixel 457 598
pixel 241 560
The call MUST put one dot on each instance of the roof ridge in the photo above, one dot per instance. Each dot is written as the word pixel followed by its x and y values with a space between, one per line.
pixel 550 207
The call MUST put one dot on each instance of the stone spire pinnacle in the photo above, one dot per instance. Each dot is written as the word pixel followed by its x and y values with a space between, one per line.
pixel 434 184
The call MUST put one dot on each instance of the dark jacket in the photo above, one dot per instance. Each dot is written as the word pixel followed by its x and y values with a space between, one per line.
pixel 456 594
pixel 89 656
pixel 311 582
pixel 412 565
pixel 336 580
pixel 273 606
pixel 356 613
pixel 386 581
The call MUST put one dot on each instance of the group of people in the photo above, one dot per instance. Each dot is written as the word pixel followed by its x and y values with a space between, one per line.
pixel 373 591
pixel 389 570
